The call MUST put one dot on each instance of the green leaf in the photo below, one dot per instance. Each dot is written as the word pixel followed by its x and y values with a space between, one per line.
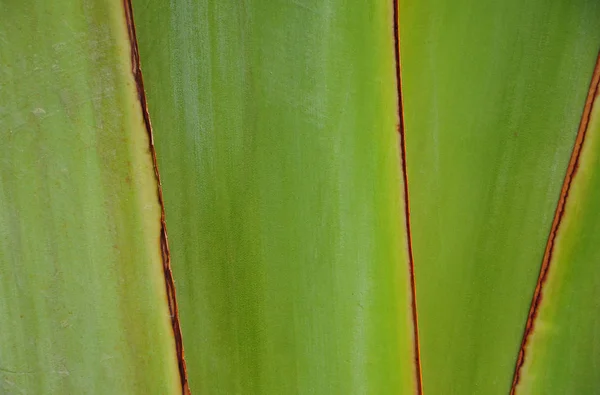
pixel 275 126
pixel 493 93
pixel 285 152
pixel 82 290
pixel 562 354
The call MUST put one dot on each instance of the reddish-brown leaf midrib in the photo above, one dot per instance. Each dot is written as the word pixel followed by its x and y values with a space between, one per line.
pixel 401 130
pixel 558 216
pixel 164 242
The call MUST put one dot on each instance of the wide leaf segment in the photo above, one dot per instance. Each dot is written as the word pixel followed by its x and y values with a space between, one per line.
pixel 275 126
pixel 493 93
pixel 560 353
pixel 83 308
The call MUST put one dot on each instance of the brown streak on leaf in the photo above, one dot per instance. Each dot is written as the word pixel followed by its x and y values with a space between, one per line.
pixel 411 263
pixel 558 216
pixel 164 242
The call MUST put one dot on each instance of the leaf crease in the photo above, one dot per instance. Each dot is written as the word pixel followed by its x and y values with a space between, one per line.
pixel 164 242
pixel 411 263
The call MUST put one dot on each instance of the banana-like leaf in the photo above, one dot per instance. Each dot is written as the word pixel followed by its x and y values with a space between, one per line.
pixel 276 134
pixel 493 92
pixel 83 307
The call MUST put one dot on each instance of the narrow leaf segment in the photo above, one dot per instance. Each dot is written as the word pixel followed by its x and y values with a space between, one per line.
pixel 559 353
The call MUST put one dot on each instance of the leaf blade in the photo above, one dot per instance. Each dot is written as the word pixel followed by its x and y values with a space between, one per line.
pixel 488 139
pixel 559 350
pixel 82 289
pixel 275 128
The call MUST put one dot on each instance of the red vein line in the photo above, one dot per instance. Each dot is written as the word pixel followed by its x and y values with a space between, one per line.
pixel 558 216
pixel 164 242
pixel 411 262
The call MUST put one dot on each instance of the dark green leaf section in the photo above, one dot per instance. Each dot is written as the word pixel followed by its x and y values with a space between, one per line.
pixel 275 127
pixel 82 294
pixel 562 353
pixel 493 93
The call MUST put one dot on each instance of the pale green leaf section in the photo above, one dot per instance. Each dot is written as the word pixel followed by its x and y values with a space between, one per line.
pixel 493 94
pixel 275 127
pixel 82 295
pixel 563 352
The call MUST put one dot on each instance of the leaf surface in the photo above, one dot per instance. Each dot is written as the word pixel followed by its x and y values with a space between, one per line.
pixel 493 93
pixel 82 290
pixel 275 125
pixel 562 353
